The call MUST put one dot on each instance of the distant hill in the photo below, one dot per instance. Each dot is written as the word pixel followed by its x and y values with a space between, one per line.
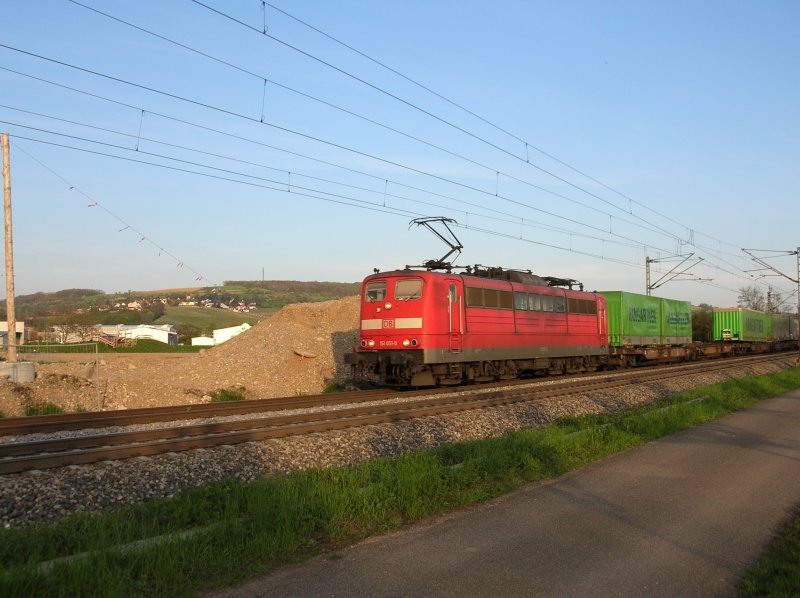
pixel 230 304
pixel 277 293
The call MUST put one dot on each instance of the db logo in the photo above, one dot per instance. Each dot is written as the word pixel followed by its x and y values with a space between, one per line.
pixel 388 323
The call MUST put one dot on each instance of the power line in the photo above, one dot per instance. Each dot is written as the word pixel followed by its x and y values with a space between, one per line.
pixel 422 172
pixel 488 122
pixel 319 140
pixel 419 171
pixel 412 105
pixel 516 219
pixel 650 227
pixel 126 225
pixel 360 204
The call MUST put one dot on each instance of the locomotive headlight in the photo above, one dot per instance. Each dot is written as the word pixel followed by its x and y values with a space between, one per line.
pixel 387 305
pixel 406 343
pixel 370 343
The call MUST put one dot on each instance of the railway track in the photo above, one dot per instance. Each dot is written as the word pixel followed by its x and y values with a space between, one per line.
pixel 321 413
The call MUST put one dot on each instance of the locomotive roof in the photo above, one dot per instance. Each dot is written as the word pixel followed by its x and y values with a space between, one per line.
pixel 492 273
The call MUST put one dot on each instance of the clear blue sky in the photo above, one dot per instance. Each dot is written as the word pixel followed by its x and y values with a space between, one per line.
pixel 684 116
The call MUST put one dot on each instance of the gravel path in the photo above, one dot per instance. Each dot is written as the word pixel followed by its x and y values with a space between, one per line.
pixel 42 496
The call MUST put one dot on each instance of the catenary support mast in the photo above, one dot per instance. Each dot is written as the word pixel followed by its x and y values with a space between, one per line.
pixel 12 320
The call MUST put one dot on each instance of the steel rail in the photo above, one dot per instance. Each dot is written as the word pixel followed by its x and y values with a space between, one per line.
pixel 20 426
pixel 43 454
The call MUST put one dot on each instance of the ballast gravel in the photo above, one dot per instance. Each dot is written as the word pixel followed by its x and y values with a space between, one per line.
pixel 46 496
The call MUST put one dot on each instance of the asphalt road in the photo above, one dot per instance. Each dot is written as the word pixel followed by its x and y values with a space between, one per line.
pixel 682 516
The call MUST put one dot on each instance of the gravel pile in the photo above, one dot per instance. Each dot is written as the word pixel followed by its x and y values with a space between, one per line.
pixel 49 495
pixel 299 350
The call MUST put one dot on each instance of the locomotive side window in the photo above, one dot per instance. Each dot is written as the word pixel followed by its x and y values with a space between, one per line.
pixel 375 291
pixel 535 302
pixel 582 306
pixel 406 290
pixel 559 304
pixel 521 301
pixel 491 298
pixel 506 300
pixel 547 303
pixel 474 297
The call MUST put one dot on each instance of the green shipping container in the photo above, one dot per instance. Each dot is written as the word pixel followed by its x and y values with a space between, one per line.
pixel 740 324
pixel 784 327
pixel 642 320
pixel 676 322
pixel 781 330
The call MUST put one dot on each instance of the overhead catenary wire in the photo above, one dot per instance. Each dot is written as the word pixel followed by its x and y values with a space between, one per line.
pixel 96 204
pixel 316 139
pixel 406 185
pixel 569 249
pixel 509 218
pixel 647 226
pixel 486 121
pixel 527 144
pixel 333 144
pixel 450 124
pixel 349 200
pixel 341 200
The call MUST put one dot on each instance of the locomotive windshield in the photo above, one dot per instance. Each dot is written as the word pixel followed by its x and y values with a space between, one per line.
pixel 405 290
pixel 375 291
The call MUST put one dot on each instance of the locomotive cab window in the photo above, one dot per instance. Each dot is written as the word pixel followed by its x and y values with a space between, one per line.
pixel 559 304
pixel 548 303
pixel 405 290
pixel 375 291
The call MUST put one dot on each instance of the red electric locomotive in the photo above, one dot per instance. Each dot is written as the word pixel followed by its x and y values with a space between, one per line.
pixel 424 328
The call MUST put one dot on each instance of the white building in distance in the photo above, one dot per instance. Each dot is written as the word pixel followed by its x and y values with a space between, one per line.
pixel 220 336
pixel 20 326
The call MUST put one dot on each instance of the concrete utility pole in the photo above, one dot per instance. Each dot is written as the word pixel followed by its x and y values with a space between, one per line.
pixel 12 319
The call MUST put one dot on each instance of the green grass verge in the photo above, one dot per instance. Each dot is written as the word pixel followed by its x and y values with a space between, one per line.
pixel 777 572
pixel 245 530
